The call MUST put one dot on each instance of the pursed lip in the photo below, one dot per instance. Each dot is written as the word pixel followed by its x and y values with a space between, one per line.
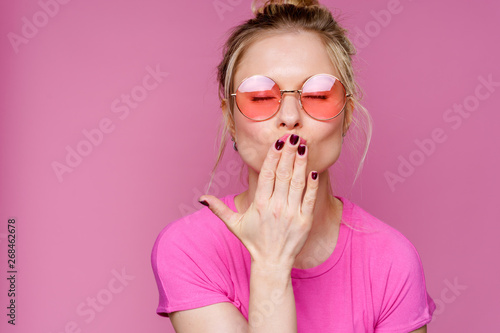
pixel 284 137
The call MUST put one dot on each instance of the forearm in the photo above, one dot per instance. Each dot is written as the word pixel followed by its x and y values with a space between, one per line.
pixel 272 302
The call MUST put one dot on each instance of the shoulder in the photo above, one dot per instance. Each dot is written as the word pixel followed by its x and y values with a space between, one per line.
pixel 197 233
pixel 190 261
pixel 381 239
pixel 396 275
pixel 385 251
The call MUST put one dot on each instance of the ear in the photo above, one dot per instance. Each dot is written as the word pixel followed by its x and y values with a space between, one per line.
pixel 227 117
pixel 348 115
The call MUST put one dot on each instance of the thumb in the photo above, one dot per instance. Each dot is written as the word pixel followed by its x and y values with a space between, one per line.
pixel 220 209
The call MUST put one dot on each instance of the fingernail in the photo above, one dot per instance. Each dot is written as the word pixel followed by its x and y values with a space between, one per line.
pixel 279 144
pixel 204 202
pixel 314 175
pixel 301 150
pixel 294 139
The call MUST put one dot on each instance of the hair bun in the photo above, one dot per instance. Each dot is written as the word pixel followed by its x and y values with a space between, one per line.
pixel 258 6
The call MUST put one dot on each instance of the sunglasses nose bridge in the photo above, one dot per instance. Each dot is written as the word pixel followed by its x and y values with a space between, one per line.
pixel 290 92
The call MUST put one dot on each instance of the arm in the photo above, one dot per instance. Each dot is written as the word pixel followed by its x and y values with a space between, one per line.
pixel 273 229
pixel 405 303
pixel 215 318
pixel 422 329
pixel 272 302
pixel 271 309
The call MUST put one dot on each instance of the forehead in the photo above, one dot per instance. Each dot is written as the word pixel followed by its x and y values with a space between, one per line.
pixel 289 58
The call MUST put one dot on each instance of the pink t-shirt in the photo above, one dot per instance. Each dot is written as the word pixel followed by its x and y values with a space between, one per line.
pixel 372 282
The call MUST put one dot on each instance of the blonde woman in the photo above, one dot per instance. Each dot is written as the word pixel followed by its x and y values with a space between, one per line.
pixel 287 255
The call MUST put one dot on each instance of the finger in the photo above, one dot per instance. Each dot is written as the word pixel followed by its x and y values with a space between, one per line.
pixel 310 196
pixel 298 182
pixel 221 210
pixel 265 183
pixel 284 170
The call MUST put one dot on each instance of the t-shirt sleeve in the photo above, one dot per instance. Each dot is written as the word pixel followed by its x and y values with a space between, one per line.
pixel 188 270
pixel 405 303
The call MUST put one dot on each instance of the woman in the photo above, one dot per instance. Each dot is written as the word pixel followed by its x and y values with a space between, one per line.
pixel 286 255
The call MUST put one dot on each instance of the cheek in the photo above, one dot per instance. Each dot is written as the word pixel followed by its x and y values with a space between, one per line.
pixel 254 140
pixel 325 153
pixel 325 150
pixel 253 155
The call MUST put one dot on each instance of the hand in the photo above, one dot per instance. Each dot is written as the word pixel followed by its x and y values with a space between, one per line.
pixel 276 225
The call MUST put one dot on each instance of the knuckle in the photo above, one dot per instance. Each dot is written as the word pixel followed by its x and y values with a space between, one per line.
pixel 300 160
pixel 267 174
pixel 309 201
pixel 273 157
pixel 297 184
pixel 305 225
pixel 283 175
pixel 290 149
pixel 260 204
pixel 215 209
pixel 277 210
pixel 289 216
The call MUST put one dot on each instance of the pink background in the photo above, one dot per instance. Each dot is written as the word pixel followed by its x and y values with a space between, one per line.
pixel 76 233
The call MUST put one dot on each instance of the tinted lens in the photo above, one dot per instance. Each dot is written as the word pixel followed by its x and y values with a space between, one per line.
pixel 258 97
pixel 323 96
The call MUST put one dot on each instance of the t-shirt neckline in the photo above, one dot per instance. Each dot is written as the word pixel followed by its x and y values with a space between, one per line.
pixel 334 257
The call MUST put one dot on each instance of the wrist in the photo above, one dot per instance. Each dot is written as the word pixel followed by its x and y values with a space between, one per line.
pixel 271 268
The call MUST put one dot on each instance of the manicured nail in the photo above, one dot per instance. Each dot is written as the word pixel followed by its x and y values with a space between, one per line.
pixel 279 144
pixel 314 175
pixel 204 202
pixel 294 139
pixel 301 150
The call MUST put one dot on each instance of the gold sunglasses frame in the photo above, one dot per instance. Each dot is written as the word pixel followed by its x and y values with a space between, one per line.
pixel 346 95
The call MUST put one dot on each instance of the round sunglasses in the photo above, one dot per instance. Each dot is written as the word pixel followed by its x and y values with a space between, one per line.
pixel 322 96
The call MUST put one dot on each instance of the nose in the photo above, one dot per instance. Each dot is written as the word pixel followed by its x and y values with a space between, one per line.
pixel 290 113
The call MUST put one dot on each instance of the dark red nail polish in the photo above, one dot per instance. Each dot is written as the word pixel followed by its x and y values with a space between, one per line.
pixel 204 202
pixel 294 139
pixel 314 175
pixel 279 144
pixel 301 150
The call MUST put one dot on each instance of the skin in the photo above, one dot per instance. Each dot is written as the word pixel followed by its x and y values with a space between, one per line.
pixel 284 215
pixel 278 57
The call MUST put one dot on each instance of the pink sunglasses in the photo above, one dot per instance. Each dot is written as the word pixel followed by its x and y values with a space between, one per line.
pixel 322 96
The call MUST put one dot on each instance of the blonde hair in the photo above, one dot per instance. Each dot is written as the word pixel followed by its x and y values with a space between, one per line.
pixel 283 16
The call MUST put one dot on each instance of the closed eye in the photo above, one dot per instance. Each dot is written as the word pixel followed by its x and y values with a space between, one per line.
pixel 256 99
pixel 316 96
